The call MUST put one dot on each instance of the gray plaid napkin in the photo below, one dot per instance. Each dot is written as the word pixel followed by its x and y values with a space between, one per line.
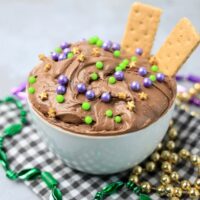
pixel 28 150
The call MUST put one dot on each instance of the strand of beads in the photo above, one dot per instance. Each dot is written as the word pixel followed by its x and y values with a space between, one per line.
pixel 171 185
pixel 190 95
pixel 26 174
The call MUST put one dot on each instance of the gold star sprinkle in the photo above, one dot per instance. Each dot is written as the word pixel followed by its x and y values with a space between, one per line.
pixel 47 67
pixel 153 60
pixel 121 95
pixel 132 64
pixel 41 56
pixel 95 52
pixel 76 50
pixel 51 113
pixel 130 105
pixel 43 96
pixel 81 57
pixel 143 96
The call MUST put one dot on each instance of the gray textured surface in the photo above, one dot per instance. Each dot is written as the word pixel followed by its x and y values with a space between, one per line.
pixel 31 27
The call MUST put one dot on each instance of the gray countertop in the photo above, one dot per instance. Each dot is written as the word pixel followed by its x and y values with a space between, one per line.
pixel 28 28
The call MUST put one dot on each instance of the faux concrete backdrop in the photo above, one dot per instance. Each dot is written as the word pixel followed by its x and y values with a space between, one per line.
pixel 30 27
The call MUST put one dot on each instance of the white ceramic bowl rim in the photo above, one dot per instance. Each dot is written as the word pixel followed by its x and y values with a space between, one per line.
pixel 89 136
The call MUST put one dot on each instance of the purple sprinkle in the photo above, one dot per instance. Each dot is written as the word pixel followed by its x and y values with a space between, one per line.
pixel 66 51
pixel 139 51
pixel 62 80
pixel 119 75
pixel 81 88
pixel 54 56
pixel 107 45
pixel 64 45
pixel 106 97
pixel 193 78
pixel 115 46
pixel 142 71
pixel 90 95
pixel 61 89
pixel 135 86
pixel 147 82
pixel 160 77
pixel 61 57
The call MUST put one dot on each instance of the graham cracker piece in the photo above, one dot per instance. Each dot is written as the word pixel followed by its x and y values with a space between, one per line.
pixel 141 28
pixel 177 48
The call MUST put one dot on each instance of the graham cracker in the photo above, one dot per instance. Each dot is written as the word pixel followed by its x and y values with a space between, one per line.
pixel 141 28
pixel 177 48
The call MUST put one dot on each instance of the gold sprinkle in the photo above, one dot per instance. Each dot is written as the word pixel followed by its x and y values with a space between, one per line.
pixel 41 56
pixel 81 57
pixel 76 50
pixel 122 95
pixel 153 60
pixel 52 112
pixel 130 105
pixel 132 64
pixel 43 96
pixel 95 52
pixel 47 67
pixel 143 96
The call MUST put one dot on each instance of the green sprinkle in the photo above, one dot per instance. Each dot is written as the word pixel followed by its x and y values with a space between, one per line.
pixel 118 119
pixel 154 68
pixel 86 105
pixel 152 77
pixel 70 55
pixel 32 79
pixel 112 80
pixel 58 50
pixel 118 68
pixel 94 76
pixel 133 59
pixel 109 113
pixel 122 66
pixel 125 61
pixel 116 53
pixel 60 98
pixel 93 40
pixel 31 90
pixel 88 119
pixel 99 43
pixel 99 65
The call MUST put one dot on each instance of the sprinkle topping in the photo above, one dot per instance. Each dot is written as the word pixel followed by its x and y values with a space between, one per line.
pixel 118 119
pixel 142 96
pixel 112 80
pixel 99 65
pixel 109 113
pixel 86 106
pixel 43 96
pixel 31 90
pixel 51 113
pixel 60 98
pixel 88 120
pixel 32 79
pixel 130 105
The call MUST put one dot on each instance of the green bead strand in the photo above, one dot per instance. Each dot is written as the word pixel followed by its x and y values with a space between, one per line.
pixel 56 194
pixel 49 180
pixel 26 174
pixel 29 174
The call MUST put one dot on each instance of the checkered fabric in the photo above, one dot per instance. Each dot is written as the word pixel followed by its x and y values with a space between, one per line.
pixel 27 150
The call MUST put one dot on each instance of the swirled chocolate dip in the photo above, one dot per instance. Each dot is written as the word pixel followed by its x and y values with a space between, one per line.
pixel 93 91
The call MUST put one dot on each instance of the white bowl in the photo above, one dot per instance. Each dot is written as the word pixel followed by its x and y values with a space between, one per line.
pixel 102 154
